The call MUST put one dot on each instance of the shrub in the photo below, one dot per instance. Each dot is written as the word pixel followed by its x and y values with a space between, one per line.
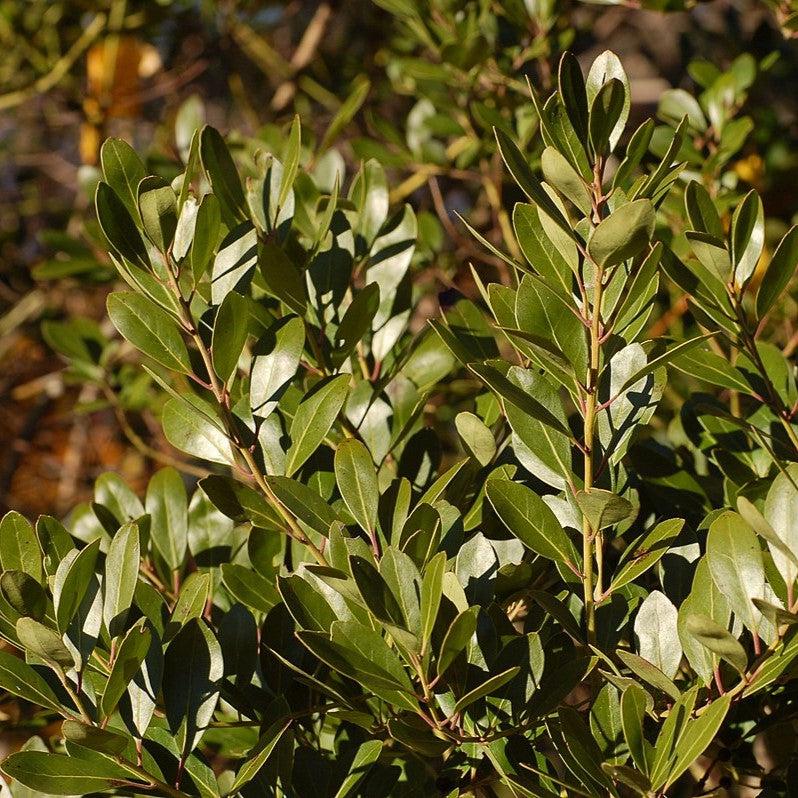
pixel 566 606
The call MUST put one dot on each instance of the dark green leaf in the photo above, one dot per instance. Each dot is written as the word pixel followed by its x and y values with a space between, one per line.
pixel 149 328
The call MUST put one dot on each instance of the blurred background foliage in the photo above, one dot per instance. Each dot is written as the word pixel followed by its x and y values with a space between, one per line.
pixel 418 84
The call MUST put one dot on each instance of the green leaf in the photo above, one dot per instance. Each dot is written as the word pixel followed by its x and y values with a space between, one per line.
pixel 696 737
pixel 489 686
pixel 477 438
pixel 747 237
pixel 25 595
pixel 314 417
pixel 167 505
pixel 230 331
pixel 283 278
pixel 223 175
pixel 149 328
pixel 376 593
pixel 606 109
pixel 634 700
pixel 290 163
pixel 206 235
pixel 357 321
pixel 121 575
pixel 571 85
pixel 735 562
pixel 532 521
pixel 158 211
pixel 193 666
pixel 367 754
pixel 718 640
pixel 529 184
pixel 357 482
pixel 605 68
pixel 602 508
pixel 779 272
pixel 712 254
pixel 130 655
pixel 71 582
pixel 259 755
pixel 623 234
pixel 701 210
pixel 781 506
pixel 123 170
pixel 431 594
pixel 119 228
pixel 560 174
pixel 19 548
pixel 58 774
pixel 647 552
pixel 22 680
pixel 711 368
pixel 304 503
pixel 666 357
pixel 457 637
pixel 649 673
pixel 657 633
pixel 190 432
pixel 44 642
pixel 54 541
pixel 190 602
pixel 93 737
pixel 274 364
pixel 249 587
pixel 511 393
pixel 235 261
pixel 346 113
